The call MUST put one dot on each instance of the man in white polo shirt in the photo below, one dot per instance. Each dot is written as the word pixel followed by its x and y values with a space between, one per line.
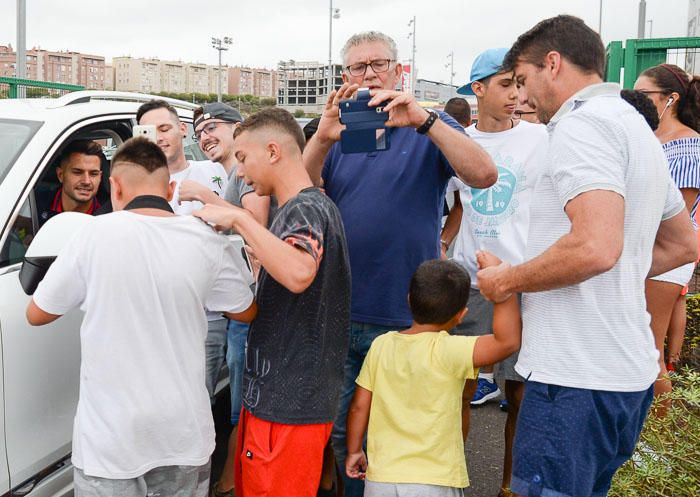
pixel 143 425
pixel 605 215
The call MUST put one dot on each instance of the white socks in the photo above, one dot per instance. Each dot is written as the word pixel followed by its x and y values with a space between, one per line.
pixel 487 376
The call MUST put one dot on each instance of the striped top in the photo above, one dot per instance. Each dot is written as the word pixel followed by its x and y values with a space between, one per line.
pixel 683 157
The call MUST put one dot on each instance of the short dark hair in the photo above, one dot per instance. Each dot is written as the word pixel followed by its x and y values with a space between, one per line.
pixel 85 147
pixel 153 105
pixel 671 78
pixel 439 290
pixel 140 151
pixel 644 106
pixel 311 128
pixel 460 109
pixel 273 117
pixel 197 112
pixel 565 34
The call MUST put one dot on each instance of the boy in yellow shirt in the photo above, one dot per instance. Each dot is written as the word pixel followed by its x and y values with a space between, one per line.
pixel 409 390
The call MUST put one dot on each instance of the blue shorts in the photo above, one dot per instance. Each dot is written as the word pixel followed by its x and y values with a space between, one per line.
pixel 570 441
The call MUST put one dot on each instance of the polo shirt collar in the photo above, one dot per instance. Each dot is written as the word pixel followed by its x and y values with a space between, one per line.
pixel 582 96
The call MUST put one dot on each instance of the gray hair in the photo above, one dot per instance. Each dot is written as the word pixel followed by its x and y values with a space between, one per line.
pixel 369 37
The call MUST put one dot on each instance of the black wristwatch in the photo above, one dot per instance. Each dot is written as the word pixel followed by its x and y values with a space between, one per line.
pixel 432 117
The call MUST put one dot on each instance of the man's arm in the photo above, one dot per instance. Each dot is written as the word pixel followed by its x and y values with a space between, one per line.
pixel 452 224
pixel 245 316
pixel 676 244
pixel 37 316
pixel 358 418
pixel 258 206
pixel 292 267
pixel 328 132
pixel 592 246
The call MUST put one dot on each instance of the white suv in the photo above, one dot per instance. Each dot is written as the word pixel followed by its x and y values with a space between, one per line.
pixel 40 366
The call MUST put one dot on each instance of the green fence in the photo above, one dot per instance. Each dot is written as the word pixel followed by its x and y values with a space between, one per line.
pixel 29 88
pixel 625 64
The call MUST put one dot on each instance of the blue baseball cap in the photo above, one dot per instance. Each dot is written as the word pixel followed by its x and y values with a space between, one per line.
pixel 486 64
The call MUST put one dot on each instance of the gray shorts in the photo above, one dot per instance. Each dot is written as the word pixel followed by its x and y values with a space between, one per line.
pixel 379 489
pixel 479 322
pixel 166 481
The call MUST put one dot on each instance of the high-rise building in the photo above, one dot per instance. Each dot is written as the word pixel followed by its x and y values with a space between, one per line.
pixel 304 85
pixel 73 68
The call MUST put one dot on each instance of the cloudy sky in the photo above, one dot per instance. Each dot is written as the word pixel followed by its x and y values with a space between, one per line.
pixel 266 31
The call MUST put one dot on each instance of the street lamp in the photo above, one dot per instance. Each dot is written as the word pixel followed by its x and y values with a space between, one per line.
pixel 451 65
pixel 220 45
pixel 650 22
pixel 412 22
pixel 334 14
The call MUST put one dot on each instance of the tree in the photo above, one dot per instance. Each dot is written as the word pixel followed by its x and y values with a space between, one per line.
pixel 299 113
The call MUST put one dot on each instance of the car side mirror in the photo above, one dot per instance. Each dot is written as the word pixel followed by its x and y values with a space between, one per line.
pixel 46 245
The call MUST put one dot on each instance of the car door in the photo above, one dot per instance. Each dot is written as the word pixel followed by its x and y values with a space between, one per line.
pixel 40 365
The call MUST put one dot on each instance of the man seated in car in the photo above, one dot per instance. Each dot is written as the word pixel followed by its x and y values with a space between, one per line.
pixel 79 172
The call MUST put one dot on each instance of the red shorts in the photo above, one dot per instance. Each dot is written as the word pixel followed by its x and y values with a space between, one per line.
pixel 278 460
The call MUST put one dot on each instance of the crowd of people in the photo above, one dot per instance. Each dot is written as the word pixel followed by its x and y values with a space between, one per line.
pixel 355 348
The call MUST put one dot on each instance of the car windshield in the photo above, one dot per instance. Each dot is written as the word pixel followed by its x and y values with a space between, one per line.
pixel 14 136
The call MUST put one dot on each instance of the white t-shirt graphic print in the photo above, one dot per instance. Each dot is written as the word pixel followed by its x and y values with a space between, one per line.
pixel 497 218
pixel 207 173
pixel 143 282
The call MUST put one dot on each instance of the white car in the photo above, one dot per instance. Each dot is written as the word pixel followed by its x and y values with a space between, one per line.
pixel 40 366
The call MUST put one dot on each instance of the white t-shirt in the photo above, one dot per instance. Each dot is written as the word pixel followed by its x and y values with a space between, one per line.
pixel 143 282
pixel 497 218
pixel 596 334
pixel 208 173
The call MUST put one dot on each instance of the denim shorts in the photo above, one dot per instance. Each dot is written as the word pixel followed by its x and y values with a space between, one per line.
pixel 235 360
pixel 569 442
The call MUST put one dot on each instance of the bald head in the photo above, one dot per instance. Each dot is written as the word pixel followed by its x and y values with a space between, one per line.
pixel 139 167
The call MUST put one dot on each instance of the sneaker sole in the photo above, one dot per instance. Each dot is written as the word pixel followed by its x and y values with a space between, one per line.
pixel 486 398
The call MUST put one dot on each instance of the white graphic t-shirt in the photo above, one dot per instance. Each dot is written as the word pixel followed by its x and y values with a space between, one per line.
pixel 208 173
pixel 497 218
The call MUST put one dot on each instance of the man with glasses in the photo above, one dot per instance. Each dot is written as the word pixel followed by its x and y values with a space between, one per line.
pixel 495 219
pixel 170 134
pixel 391 201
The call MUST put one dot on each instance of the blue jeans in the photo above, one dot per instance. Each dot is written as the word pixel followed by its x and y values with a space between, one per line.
pixel 361 337
pixel 235 359
pixel 214 346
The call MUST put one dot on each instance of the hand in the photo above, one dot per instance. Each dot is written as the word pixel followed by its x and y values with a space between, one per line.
pixel 356 465
pixel 403 108
pixel 254 262
pixel 191 190
pixel 486 259
pixel 329 127
pixel 491 279
pixel 223 218
pixel 443 252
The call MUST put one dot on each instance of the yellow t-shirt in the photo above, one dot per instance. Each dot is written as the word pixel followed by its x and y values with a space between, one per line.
pixel 415 424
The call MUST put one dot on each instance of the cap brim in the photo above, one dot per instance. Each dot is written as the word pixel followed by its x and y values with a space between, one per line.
pixel 466 89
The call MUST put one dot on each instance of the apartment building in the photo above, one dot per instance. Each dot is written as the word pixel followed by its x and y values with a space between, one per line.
pixel 252 81
pixel 73 68
pixel 304 85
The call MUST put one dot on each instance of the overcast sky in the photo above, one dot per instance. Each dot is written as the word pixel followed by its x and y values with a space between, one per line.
pixel 266 31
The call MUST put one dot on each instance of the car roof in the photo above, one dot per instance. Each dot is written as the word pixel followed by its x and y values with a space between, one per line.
pixel 84 104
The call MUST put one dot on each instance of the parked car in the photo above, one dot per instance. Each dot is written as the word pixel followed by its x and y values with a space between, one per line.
pixel 40 366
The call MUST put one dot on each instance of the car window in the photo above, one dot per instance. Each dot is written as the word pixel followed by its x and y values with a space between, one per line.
pixel 14 136
pixel 192 150
pixel 21 235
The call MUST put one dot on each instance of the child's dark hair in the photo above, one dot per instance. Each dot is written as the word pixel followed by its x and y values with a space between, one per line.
pixel 644 106
pixel 439 290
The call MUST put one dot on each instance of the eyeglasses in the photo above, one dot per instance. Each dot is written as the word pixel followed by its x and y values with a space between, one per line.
pixel 378 66
pixel 518 114
pixel 207 129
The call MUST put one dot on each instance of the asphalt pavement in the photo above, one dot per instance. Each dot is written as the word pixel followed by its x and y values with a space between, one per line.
pixel 484 448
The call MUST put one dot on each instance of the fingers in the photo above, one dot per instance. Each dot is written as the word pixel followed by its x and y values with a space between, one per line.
pixel 486 259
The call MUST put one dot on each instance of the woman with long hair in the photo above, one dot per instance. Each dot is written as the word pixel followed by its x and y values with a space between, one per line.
pixel 676 95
